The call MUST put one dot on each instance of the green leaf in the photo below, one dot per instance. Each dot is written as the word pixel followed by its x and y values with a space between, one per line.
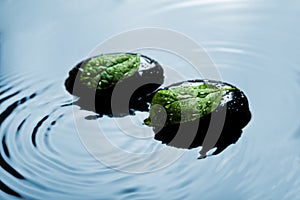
pixel 184 103
pixel 105 71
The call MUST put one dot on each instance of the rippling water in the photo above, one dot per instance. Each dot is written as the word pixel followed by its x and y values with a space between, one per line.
pixel 254 45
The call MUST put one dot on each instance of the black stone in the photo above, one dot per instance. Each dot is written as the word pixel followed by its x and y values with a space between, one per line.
pixel 122 99
pixel 220 128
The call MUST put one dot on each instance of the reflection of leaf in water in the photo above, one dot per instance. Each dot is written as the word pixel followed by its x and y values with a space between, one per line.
pixel 105 71
pixel 184 103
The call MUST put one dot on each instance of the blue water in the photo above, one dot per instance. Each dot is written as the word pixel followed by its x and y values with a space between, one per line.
pixel 253 44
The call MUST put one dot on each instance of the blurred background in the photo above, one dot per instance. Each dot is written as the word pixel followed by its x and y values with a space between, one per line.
pixel 53 35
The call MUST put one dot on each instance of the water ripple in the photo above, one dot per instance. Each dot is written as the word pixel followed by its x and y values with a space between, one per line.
pixel 233 4
pixel 42 154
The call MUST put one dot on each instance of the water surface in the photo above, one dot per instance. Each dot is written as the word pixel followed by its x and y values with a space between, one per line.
pixel 254 45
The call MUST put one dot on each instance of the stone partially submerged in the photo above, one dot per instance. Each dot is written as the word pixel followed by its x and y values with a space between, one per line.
pixel 197 113
pixel 114 84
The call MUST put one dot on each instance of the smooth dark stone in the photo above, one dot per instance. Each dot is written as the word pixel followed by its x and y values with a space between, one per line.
pixel 122 99
pixel 220 128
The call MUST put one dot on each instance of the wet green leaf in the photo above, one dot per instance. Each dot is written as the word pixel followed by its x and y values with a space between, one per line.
pixel 105 71
pixel 184 103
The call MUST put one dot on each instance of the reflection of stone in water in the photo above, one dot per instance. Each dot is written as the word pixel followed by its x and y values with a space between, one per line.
pixel 220 128
pixel 121 98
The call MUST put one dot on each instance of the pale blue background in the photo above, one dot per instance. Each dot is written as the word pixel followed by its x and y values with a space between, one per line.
pixel 254 44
